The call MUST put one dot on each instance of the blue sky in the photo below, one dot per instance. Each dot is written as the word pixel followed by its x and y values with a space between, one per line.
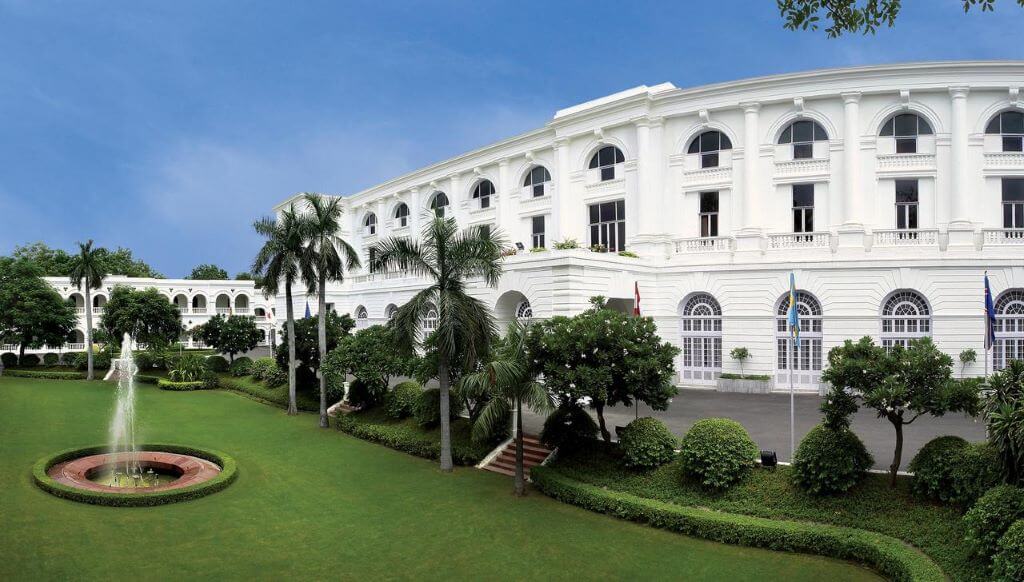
pixel 167 127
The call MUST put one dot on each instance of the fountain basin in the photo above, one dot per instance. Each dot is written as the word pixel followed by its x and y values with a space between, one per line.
pixel 187 473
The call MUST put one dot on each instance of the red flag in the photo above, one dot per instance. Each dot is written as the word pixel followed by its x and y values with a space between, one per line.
pixel 636 299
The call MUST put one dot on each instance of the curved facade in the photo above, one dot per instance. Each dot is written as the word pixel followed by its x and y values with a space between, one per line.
pixel 887 190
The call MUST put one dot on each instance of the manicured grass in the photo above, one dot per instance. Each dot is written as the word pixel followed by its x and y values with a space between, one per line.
pixel 315 504
pixel 871 505
pixel 406 435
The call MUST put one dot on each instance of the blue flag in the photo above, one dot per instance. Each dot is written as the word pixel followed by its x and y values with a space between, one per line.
pixel 308 314
pixel 990 317
pixel 793 315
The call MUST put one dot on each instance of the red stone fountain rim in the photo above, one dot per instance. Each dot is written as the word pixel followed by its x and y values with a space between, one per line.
pixel 192 470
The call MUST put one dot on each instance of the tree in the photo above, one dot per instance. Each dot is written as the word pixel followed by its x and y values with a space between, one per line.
pixel 244 276
pixel 511 382
pixel 307 344
pixel 208 272
pixel 740 355
pixel 145 315
pixel 851 15
pixel 32 313
pixel 1004 415
pixel 917 380
pixel 464 324
pixel 229 335
pixel 278 261
pixel 370 356
pixel 605 356
pixel 88 268
pixel 326 257
pixel 57 263
pixel 424 368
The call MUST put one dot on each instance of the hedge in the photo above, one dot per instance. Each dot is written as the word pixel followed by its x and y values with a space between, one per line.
pixel 45 374
pixel 887 555
pixel 165 384
pixel 228 474
pixel 144 379
pixel 408 437
pixel 251 388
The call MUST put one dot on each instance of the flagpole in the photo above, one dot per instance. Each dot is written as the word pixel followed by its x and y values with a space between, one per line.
pixel 792 413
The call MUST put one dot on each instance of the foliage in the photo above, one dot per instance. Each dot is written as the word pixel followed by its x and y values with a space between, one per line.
pixel 145 361
pixel 933 467
pixel 242 366
pixel 267 393
pixel 976 471
pixel 756 377
pixel 369 355
pixel 307 347
pixel 29 361
pixel 183 386
pixel 1008 564
pixel 101 360
pixel 837 408
pixel 629 254
pixel 146 315
pixel 32 313
pixel 1004 415
pixel 424 369
pixel 58 263
pixel 51 359
pixel 568 428
pixel 646 443
pixel 245 276
pixel 967 357
pixel 9 359
pixel 263 368
pixel 830 460
pixel 189 368
pixel 427 408
pixel 44 374
pixel 87 268
pixel 217 364
pixel 538 249
pixel 991 516
pixel 718 452
pixel 851 15
pixel 363 395
pixel 569 243
pixel 740 354
pixel 229 335
pixel 410 437
pixel 400 400
pixel 208 272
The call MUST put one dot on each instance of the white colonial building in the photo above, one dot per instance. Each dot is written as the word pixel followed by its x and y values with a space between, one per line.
pixel 887 190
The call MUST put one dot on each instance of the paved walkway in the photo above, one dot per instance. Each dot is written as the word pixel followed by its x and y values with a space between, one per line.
pixel 766 418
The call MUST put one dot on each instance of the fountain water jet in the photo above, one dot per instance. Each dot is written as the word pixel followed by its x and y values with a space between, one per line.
pixel 122 425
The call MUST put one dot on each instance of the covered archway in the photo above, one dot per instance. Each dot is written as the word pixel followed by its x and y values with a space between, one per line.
pixel 242 304
pixel 181 302
pixel 199 304
pixel 223 304
pixel 512 306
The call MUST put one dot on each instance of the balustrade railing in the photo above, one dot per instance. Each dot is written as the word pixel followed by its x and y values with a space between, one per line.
pixel 906 238
pixel 799 240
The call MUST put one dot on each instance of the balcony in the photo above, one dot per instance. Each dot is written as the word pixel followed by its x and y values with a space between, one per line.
pixel 704 245
pixel 595 185
pixel 906 238
pixel 74 346
pixel 377 277
pixel 802 169
pixel 242 311
pixel 799 240
pixel 999 163
pixel 198 311
pixel 707 178
pixel 223 311
pixel 527 192
pixel 895 165
pixel 1003 236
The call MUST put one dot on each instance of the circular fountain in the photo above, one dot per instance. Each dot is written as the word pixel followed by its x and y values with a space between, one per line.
pixel 125 473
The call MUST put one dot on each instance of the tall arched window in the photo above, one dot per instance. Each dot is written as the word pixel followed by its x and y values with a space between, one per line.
pixel 430 319
pixel 700 329
pixel 1009 329
pixel 524 311
pixel 1009 125
pixel 439 204
pixel 402 215
pixel 807 358
pixel 370 224
pixel 361 317
pixel 905 317
pixel 605 160
pixel 390 311
pixel 482 193
pixel 802 134
pixel 708 144
pixel 536 180
pixel 905 128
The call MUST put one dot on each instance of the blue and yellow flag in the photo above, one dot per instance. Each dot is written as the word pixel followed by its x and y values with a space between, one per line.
pixel 793 316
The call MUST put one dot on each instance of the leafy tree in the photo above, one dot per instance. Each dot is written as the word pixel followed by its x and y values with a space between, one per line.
pixel 605 356
pixel 424 368
pixel 1004 415
pixel 58 263
pixel 852 15
pixel 307 344
pixel 277 262
pixel 244 276
pixel 229 335
pixel 967 357
pixel 325 258
pixel 740 355
pixel 32 313
pixel 145 315
pixel 464 324
pixel 369 355
pixel 88 268
pixel 512 383
pixel 208 272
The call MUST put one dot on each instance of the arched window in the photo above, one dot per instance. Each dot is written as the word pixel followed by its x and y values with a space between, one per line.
pixel 802 134
pixel 524 312
pixel 1010 125
pixel 905 317
pixel 361 316
pixel 700 329
pixel 370 224
pixel 402 215
pixel 708 144
pixel 905 128
pixel 537 179
pixel 807 358
pixel 390 311
pixel 605 160
pixel 482 192
pixel 439 204
pixel 1009 329
pixel 430 319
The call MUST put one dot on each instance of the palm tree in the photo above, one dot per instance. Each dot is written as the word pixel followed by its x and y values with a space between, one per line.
pixel 325 258
pixel 277 261
pixel 464 324
pixel 510 384
pixel 88 268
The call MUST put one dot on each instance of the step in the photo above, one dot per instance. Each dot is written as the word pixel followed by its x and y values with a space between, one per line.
pixel 510 467
pixel 526 454
pixel 493 469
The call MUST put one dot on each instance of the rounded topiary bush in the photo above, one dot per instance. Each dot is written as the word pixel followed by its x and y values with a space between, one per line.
pixel 263 368
pixel 364 394
pixel 991 516
pixel 400 401
pixel 427 409
pixel 647 443
pixel 933 467
pixel 217 364
pixel 569 428
pixel 830 460
pixel 51 359
pixel 718 452
pixel 1008 564
pixel 29 361
pixel 977 469
pixel 100 360
pixel 68 359
pixel 241 366
pixel 9 359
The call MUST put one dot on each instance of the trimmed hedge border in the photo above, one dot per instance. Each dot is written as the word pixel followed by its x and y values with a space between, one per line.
pixel 397 437
pixel 241 387
pixel 887 555
pixel 228 474
pixel 45 375
pixel 165 384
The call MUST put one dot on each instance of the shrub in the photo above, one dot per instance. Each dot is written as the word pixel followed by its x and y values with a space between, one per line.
pixel 242 366
pixel 400 401
pixel 569 428
pixel 647 443
pixel 100 360
pixel 45 374
pixel 427 409
pixel 977 469
pixel 718 452
pixel 145 361
pixel 189 368
pixel 263 368
pixel 276 378
pixel 407 437
pixel 29 361
pixel 165 384
pixel 991 516
pixel 9 359
pixel 364 395
pixel 217 364
pixel 569 243
pixel 69 358
pixel 1008 564
pixel 51 359
pixel 933 467
pixel 830 461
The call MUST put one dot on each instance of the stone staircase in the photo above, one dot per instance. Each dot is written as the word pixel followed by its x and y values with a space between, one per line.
pixel 504 462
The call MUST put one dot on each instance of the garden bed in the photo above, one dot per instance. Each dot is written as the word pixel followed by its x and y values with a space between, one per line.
pixel 45 373
pixel 409 437
pixel 249 386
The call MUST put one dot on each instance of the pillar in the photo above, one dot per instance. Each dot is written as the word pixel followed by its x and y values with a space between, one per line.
pixel 961 231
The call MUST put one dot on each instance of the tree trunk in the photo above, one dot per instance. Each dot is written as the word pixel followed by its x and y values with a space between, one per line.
pixel 446 429
pixel 607 436
pixel 88 334
pixel 322 332
pixel 292 408
pixel 520 482
pixel 897 423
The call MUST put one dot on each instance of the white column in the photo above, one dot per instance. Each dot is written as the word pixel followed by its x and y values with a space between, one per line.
pixel 503 211
pixel 751 185
pixel 415 208
pixel 455 199
pixel 634 207
pixel 381 216
pixel 656 197
pixel 852 199
pixel 560 206
pixel 959 211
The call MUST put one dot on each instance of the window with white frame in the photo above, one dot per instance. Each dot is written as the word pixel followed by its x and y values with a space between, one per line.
pixel 905 317
pixel 1009 328
pixel 807 357
pixel 905 129
pixel 390 311
pixel 708 145
pixel 608 226
pixel 605 159
pixel 370 224
pixel 906 206
pixel 439 204
pixel 362 317
pixel 371 259
pixel 700 328
pixel 430 319
pixel 708 214
pixel 802 135
pixel 402 215
pixel 1009 125
pixel 1013 202
pixel 803 207
pixel 524 312
pixel 537 179
pixel 482 193
pixel 537 236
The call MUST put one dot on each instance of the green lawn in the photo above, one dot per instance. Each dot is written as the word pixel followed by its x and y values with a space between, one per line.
pixel 316 504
